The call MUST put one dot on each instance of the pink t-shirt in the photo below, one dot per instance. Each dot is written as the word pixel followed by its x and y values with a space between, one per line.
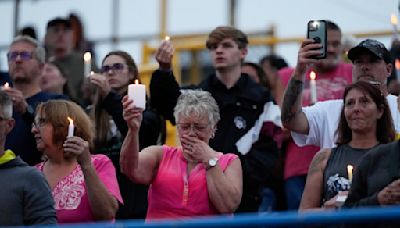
pixel 330 85
pixel 175 194
pixel 70 195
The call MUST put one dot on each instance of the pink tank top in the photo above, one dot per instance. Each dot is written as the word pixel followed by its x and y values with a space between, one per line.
pixel 175 194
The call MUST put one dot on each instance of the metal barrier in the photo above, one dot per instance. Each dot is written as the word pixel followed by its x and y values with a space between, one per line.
pixel 275 219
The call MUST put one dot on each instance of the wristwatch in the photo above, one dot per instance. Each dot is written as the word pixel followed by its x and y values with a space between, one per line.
pixel 212 163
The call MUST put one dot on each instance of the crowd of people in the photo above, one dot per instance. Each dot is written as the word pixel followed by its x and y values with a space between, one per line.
pixel 75 148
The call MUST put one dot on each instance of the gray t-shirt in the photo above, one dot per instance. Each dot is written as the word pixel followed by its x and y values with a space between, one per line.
pixel 335 173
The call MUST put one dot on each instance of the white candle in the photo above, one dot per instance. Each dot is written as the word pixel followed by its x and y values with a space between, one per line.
pixel 137 92
pixel 397 66
pixel 87 59
pixel 70 127
pixel 313 87
pixel 394 21
pixel 350 173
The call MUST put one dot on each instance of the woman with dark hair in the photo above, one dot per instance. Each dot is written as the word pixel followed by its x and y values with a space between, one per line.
pixel 117 72
pixel 365 122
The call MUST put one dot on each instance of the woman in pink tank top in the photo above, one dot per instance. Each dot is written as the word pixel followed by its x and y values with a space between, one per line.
pixel 192 180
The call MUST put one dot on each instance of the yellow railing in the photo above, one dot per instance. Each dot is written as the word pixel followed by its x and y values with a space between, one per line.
pixel 194 43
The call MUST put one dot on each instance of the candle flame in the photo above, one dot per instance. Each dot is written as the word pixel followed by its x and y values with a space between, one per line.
pixel 91 72
pixel 313 75
pixel 393 19
pixel 6 85
pixel 167 38
pixel 87 56
pixel 136 81
pixel 350 168
pixel 71 121
pixel 397 64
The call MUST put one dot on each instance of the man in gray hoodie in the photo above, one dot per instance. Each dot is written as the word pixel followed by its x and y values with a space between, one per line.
pixel 25 195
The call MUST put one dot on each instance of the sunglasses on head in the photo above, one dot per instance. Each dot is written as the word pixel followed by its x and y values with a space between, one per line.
pixel 114 67
pixel 23 55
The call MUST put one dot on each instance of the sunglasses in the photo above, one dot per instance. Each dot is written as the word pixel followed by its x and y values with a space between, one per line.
pixel 23 55
pixel 116 67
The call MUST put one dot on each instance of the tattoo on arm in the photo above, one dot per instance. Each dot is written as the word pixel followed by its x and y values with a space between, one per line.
pixel 317 161
pixel 291 99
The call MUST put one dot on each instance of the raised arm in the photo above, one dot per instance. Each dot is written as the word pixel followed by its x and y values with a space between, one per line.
pixel 102 203
pixel 313 189
pixel 139 167
pixel 292 116
pixel 164 89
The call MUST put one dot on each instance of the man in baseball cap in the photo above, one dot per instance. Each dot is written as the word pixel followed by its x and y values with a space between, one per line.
pixel 373 46
pixel 371 61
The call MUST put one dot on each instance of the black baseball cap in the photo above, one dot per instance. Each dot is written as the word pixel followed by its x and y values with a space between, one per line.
pixel 59 21
pixel 373 46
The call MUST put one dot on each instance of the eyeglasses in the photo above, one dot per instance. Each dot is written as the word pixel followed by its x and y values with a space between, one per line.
pixel 187 127
pixel 23 55
pixel 116 67
pixel 38 123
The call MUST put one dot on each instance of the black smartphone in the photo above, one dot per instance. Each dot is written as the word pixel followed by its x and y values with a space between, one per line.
pixel 316 30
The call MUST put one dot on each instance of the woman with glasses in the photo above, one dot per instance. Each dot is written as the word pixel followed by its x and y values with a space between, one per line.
pixel 117 72
pixel 84 186
pixel 365 122
pixel 187 181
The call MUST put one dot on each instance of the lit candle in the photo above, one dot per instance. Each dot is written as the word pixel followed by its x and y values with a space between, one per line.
pixel 350 173
pixel 70 127
pixel 167 38
pixel 313 87
pixel 397 66
pixel 6 85
pixel 394 21
pixel 137 92
pixel 87 58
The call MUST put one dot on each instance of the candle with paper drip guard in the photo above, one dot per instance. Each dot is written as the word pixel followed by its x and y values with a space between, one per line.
pixel 87 59
pixel 397 66
pixel 350 173
pixel 313 87
pixel 70 127
pixel 394 21
pixel 137 92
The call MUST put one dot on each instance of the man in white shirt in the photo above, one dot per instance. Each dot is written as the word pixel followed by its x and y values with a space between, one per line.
pixel 317 124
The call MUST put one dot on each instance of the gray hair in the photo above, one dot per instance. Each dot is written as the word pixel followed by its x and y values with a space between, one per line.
pixel 39 52
pixel 198 103
pixel 6 105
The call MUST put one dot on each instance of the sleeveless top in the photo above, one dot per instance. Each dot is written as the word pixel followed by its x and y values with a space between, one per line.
pixel 176 194
pixel 335 176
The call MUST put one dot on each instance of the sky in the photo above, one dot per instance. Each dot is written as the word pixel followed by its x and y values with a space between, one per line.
pixel 141 17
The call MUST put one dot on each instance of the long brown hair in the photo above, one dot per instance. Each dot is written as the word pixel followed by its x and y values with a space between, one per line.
pixel 385 132
pixel 101 117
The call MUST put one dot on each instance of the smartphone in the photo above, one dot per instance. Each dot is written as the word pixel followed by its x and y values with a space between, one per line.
pixel 316 30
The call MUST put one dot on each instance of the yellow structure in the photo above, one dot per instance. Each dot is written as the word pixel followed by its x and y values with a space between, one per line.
pixel 195 43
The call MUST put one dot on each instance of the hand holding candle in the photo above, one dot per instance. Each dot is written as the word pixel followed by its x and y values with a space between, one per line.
pixel 313 87
pixel 137 92
pixel 350 173
pixel 70 127
pixel 87 58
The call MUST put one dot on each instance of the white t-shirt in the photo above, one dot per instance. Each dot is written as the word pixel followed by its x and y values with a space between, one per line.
pixel 323 118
